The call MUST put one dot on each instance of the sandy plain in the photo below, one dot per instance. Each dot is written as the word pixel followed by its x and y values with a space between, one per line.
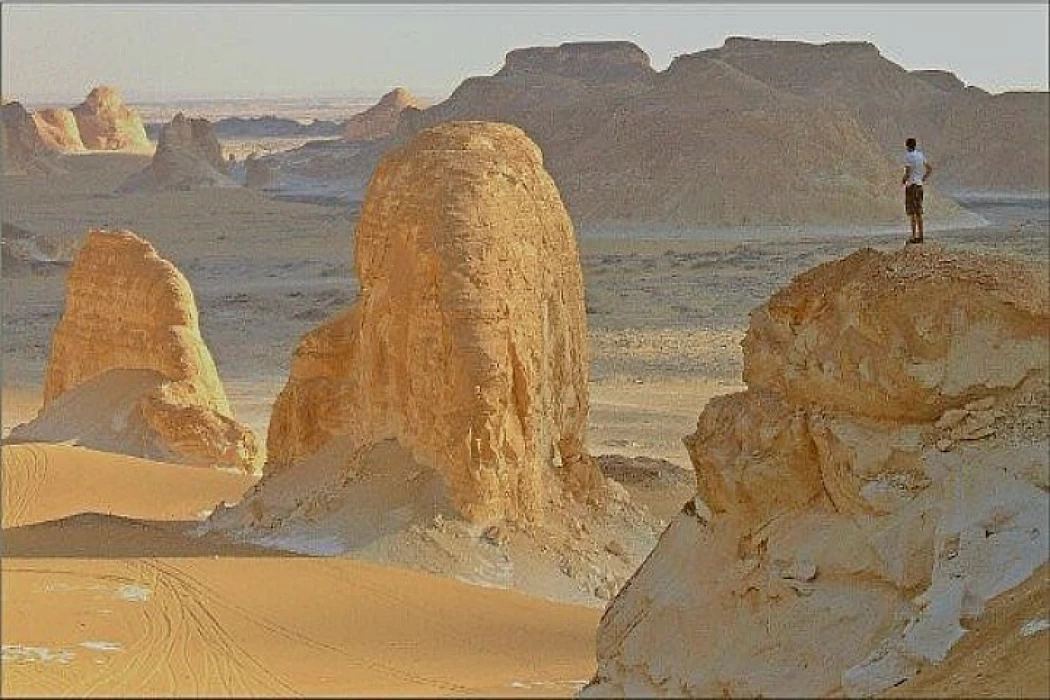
pixel 104 594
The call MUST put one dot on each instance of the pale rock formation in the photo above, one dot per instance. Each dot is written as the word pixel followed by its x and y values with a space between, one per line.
pixel 58 128
pixel 439 423
pixel 380 119
pixel 188 157
pixel 882 478
pixel 468 344
pixel 107 124
pixel 129 342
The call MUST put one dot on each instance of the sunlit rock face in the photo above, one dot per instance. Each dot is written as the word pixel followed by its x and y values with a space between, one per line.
pixel 128 369
pixel 468 345
pixel 882 478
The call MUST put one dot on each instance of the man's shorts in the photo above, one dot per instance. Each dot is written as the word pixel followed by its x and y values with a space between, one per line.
pixel 913 200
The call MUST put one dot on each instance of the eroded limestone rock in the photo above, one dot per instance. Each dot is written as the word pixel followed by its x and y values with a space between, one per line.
pixel 128 369
pixel 840 533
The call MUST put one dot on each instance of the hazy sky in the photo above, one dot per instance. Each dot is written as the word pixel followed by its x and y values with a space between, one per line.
pixel 152 51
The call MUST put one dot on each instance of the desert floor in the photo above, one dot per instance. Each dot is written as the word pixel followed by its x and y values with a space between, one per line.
pixel 103 594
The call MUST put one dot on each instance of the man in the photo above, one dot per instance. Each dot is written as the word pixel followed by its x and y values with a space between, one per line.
pixel 916 170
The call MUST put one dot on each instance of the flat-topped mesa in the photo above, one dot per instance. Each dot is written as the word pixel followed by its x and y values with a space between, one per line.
pixel 468 344
pixel 130 326
pixel 892 441
pixel 589 61
pixel 107 124
pixel 380 119
pixel 58 128
pixel 787 48
pixel 188 157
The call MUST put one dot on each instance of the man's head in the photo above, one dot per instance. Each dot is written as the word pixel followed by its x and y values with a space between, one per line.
pixel 910 144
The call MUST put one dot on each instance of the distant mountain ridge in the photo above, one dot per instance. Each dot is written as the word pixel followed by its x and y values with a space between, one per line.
pixel 265 127
pixel 752 132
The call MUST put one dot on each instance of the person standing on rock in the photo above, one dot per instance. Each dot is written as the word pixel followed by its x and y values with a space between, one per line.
pixel 916 170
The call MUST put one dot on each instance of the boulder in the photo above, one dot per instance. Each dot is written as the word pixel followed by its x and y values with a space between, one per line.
pixel 883 477
pixel 128 370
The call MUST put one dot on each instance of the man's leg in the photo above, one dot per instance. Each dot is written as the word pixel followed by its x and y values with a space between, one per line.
pixel 918 218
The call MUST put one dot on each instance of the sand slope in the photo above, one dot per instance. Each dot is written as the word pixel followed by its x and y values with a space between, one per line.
pixel 47 482
pixel 104 605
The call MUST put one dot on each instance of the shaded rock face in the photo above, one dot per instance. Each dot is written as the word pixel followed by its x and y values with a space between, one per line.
pixel 192 136
pixel 129 310
pixel 710 143
pixel 58 128
pixel 107 124
pixel 188 157
pixel 882 478
pixel 980 142
pixel 755 132
pixel 942 79
pixel 468 344
pixel 259 174
pixel 26 252
pixel 380 119
pixel 598 61
pixel 557 95
pixel 998 143
pixel 22 145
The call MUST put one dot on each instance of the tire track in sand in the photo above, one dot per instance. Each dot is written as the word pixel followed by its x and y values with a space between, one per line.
pixel 25 469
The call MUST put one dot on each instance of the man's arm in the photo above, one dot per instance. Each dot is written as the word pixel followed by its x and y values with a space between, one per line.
pixel 929 171
pixel 907 174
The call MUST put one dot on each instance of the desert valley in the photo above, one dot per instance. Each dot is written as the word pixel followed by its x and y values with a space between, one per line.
pixel 589 379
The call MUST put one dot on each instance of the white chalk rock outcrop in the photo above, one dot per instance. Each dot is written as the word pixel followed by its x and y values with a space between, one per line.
pixel 468 345
pixel 105 123
pixel 128 370
pixel 882 478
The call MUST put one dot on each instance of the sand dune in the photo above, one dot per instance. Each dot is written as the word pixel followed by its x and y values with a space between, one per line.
pixel 47 482
pixel 104 605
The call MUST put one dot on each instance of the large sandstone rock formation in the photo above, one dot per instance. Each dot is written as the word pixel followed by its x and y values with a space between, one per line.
pixel 188 157
pixel 468 344
pixel 129 342
pixel 380 119
pixel 107 124
pixel 58 128
pixel 439 423
pixel 882 478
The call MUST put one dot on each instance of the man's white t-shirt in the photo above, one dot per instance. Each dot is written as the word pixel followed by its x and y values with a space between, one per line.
pixel 917 161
